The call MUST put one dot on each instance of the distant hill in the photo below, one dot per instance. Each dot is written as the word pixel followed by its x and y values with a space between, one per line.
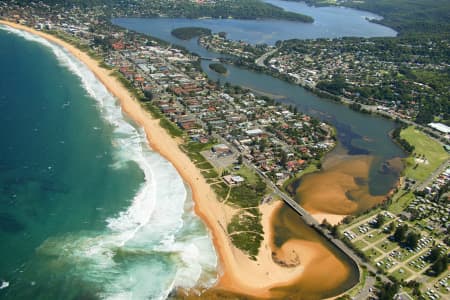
pixel 237 9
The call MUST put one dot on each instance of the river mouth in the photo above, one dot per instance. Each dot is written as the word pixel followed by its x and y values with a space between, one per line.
pixel 340 188
pixel 358 170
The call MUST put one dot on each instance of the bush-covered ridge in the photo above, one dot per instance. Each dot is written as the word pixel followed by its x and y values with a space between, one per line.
pixel 405 16
pixel 238 9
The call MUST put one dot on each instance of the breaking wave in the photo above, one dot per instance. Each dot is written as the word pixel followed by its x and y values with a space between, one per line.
pixel 153 246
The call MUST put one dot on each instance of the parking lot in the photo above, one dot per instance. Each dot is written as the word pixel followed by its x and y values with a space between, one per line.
pixel 221 161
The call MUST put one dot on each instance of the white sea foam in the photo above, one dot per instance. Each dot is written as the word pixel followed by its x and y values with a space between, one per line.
pixel 4 285
pixel 164 253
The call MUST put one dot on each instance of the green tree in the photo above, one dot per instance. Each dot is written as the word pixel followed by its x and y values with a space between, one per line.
pixel 439 266
pixel 283 159
pixel 390 227
pixel 210 129
pixel 239 159
pixel 379 221
pixel 148 95
pixel 435 253
pixel 262 145
pixel 400 233
pixel 412 239
pixel 387 291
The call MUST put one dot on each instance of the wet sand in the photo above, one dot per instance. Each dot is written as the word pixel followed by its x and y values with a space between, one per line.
pixel 329 272
pixel 343 189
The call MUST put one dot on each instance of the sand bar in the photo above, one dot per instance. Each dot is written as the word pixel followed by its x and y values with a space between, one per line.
pixel 344 189
pixel 238 273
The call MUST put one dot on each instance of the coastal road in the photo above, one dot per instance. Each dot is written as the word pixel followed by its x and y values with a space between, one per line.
pixel 260 61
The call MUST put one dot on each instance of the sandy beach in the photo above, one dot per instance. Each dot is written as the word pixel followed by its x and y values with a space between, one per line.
pixel 238 273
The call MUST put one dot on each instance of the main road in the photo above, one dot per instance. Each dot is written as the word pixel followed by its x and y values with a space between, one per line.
pixel 260 61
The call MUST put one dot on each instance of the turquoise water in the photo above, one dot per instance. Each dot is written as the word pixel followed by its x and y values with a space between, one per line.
pixel 86 209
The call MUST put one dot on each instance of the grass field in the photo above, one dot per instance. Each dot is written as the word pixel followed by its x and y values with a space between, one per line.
pixel 374 236
pixel 399 203
pixel 405 255
pixel 426 147
pixel 401 273
pixel 361 244
pixel 250 176
pixel 386 246
pixel 372 253
pixel 210 174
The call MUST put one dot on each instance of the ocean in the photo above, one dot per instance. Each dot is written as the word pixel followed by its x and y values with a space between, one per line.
pixel 87 209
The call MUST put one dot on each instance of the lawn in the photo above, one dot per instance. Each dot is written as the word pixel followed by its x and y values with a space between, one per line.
pixel 401 273
pixel 372 253
pixel 374 236
pixel 365 217
pixel 312 167
pixel 426 147
pixel 355 231
pixel 360 244
pixel 387 265
pixel 209 174
pixel 250 176
pixel 443 289
pixel 405 255
pixel 193 149
pixel 417 267
pixel 386 246
pixel 357 288
pixel 400 203
pixel 205 165
pixel 248 194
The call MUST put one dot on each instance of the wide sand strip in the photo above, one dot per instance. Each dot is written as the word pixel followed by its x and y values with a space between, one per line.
pixel 238 273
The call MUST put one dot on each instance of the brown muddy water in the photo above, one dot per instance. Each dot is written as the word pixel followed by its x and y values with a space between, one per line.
pixel 342 186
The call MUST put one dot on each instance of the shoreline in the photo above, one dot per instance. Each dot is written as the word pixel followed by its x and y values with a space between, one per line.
pixel 237 273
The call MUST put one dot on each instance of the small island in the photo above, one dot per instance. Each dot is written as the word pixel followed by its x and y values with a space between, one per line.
pixel 187 33
pixel 219 68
